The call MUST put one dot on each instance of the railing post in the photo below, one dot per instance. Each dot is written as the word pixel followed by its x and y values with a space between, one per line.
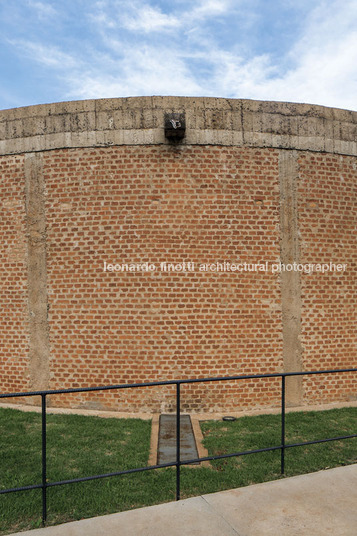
pixel 282 424
pixel 44 465
pixel 178 437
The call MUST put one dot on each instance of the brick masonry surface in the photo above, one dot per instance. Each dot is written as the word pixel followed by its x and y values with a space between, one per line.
pixel 327 196
pixel 68 210
pixel 14 352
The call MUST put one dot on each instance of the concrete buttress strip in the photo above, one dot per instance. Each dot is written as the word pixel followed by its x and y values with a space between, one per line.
pixel 39 346
pixel 290 280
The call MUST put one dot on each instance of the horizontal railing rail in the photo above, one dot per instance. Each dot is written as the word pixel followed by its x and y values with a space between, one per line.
pixel 178 462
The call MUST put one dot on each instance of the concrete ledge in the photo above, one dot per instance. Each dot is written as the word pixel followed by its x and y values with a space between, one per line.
pixel 154 439
pixel 210 121
pixel 314 504
pixel 196 417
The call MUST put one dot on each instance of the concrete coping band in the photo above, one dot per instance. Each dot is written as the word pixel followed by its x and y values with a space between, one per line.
pixel 209 121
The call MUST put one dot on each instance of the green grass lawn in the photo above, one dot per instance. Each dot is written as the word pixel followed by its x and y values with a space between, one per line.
pixel 82 446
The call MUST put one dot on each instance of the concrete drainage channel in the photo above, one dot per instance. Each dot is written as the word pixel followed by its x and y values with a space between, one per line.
pixel 163 440
pixel 166 451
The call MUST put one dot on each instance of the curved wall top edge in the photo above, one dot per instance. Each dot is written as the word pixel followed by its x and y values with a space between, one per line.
pixel 209 121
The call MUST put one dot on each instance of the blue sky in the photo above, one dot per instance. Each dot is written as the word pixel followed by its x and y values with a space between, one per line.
pixel 298 51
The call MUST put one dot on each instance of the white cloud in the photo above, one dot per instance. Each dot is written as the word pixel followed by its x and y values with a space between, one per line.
pixel 143 71
pixel 137 16
pixel 49 56
pixel 148 19
pixel 44 11
pixel 324 62
pixel 210 8
pixel 140 49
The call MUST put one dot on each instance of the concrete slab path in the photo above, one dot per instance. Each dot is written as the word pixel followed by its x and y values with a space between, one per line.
pixel 316 504
pixel 166 452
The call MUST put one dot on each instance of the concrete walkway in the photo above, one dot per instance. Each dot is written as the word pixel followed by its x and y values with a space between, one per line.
pixel 323 503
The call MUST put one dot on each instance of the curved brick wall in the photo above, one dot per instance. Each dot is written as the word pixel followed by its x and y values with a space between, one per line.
pixel 83 183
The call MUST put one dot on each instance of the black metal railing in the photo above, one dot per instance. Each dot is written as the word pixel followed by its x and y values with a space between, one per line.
pixel 177 463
